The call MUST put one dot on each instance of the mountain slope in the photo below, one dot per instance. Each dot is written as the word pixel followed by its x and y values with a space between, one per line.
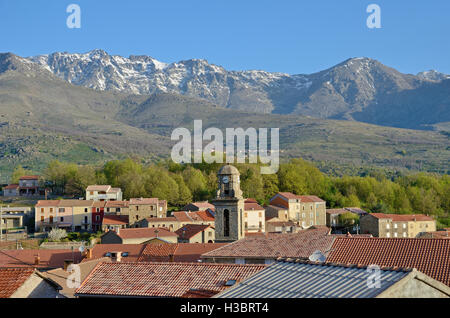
pixel 356 89
pixel 42 118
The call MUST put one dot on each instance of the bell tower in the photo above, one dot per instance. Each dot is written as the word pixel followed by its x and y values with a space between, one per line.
pixel 229 206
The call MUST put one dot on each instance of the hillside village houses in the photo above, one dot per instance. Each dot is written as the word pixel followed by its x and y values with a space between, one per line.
pixel 28 187
pixel 103 193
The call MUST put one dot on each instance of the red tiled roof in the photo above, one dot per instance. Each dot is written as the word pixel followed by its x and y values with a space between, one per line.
pixel 189 230
pixel 96 187
pixel 11 279
pixel 144 201
pixel 29 178
pixel 251 204
pixel 402 217
pixel 205 216
pixel 11 186
pixel 302 198
pixel 116 204
pixel 75 203
pixel 183 216
pixel 115 219
pixel 133 250
pixel 430 256
pixel 145 232
pixel 159 220
pixel 204 204
pixel 47 203
pixel 297 245
pixel 48 258
pixel 337 211
pixel 161 279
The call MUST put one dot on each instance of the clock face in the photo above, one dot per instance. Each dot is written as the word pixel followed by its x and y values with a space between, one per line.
pixel 225 179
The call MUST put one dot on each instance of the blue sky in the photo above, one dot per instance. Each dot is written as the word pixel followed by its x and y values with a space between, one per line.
pixel 285 36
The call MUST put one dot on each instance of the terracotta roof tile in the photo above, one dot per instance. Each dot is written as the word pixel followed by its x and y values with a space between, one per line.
pixel 133 250
pixel 144 201
pixel 430 256
pixel 402 217
pixel 115 220
pixel 96 187
pixel 190 230
pixel 11 186
pixel 47 203
pixel 145 232
pixel 162 279
pixel 48 258
pixel 299 245
pixel 11 279
pixel 29 177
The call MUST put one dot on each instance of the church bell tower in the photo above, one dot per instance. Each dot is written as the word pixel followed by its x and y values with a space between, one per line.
pixel 229 206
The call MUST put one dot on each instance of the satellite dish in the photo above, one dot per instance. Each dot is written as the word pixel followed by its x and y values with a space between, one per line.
pixel 317 256
pixel 81 249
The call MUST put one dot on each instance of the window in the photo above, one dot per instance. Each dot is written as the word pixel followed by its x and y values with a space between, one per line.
pixel 303 215
pixel 85 219
pixel 62 219
pixel 118 210
pixel 404 225
pixel 404 234
pixel 51 219
pixel 260 214
pixel 137 217
pixel 42 218
pixel 310 207
pixel 97 217
pixel 62 210
pixel 210 234
pixel 245 215
pixel 395 225
pixel 85 210
pixel 42 210
pixel 395 234
pixel 160 208
pixel 51 210
pixel 107 209
pixel 388 234
pixel 387 226
pixel 137 207
pixel 246 225
pixel 311 222
pixel 226 222
pixel 91 192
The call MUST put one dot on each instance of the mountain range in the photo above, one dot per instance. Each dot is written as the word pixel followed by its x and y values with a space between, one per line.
pixel 81 108
pixel 360 89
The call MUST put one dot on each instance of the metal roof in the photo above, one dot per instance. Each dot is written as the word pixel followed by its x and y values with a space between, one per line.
pixel 298 279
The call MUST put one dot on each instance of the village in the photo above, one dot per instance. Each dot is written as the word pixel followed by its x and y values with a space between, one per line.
pixel 228 247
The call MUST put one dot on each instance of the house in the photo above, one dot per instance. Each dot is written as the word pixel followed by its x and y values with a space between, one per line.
pixel 180 219
pixel 26 282
pixel 254 217
pixel 142 208
pixel 305 210
pixel 126 252
pixel 11 190
pixel 180 252
pixel 429 256
pixel 161 279
pixel 199 206
pixel 304 279
pixel 443 233
pixel 138 236
pixel 267 248
pixel 40 259
pixel 114 222
pixel 275 225
pixel 396 225
pixel 332 217
pixel 195 233
pixel 62 275
pixel 29 186
pixel 74 215
pixel 116 207
pixel 103 193
pixel 274 211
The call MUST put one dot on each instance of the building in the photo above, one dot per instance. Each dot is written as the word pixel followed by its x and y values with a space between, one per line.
pixel 332 217
pixel 429 256
pixel 305 210
pixel 39 259
pixel 180 219
pixel 267 248
pixel 142 208
pixel 114 222
pixel 196 233
pixel 29 186
pixel 11 190
pixel 26 282
pixel 443 234
pixel 275 225
pixel 180 252
pixel 396 225
pixel 126 252
pixel 103 193
pixel 161 279
pixel 305 279
pixel 278 212
pixel 138 236
pixel 254 217
pixel 199 206
pixel 229 206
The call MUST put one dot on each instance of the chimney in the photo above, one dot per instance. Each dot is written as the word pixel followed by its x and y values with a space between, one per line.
pixel 37 260
pixel 89 253
pixel 119 256
pixel 67 263
pixel 171 258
